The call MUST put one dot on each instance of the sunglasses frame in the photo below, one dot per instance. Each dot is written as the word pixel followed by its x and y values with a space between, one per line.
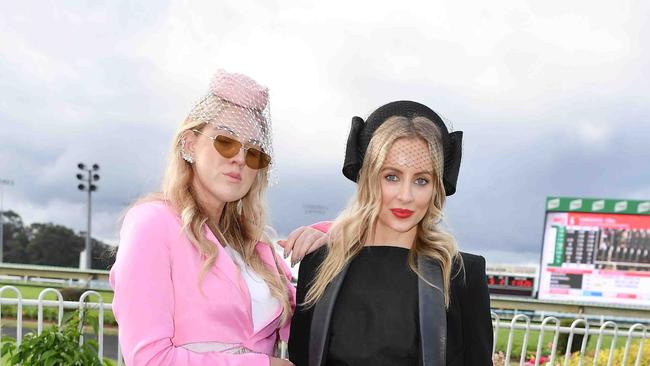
pixel 241 147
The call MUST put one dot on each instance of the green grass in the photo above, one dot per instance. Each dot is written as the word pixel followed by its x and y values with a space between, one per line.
pixel 31 291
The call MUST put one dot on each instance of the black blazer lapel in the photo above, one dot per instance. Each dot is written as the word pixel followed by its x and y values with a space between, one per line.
pixel 433 315
pixel 321 318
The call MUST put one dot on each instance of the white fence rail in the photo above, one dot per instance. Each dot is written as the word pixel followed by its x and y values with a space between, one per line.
pixel 518 323
pixel 40 303
pixel 579 326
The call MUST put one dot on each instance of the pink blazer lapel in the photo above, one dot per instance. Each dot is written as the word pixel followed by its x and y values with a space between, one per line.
pixel 224 264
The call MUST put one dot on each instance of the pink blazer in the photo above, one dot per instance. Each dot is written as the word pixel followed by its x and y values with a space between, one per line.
pixel 159 306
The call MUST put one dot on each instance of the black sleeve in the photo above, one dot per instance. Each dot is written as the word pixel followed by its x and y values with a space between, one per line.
pixel 478 318
pixel 301 320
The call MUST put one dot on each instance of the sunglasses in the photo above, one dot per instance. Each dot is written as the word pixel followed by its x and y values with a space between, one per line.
pixel 228 147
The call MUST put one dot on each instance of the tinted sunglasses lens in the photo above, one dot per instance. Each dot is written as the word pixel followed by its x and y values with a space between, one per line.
pixel 255 159
pixel 226 146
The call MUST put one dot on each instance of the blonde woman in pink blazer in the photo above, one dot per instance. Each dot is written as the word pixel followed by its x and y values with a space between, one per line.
pixel 196 281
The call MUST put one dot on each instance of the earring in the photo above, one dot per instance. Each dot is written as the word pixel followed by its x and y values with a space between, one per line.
pixel 184 154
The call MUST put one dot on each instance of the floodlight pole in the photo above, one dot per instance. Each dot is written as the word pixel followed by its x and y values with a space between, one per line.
pixel 90 187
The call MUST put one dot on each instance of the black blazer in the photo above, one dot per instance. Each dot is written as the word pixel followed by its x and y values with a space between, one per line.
pixel 468 335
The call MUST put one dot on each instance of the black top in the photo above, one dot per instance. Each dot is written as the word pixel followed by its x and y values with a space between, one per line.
pixel 375 319
pixel 469 323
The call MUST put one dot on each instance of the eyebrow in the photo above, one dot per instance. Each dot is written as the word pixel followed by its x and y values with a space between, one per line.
pixel 225 128
pixel 232 132
pixel 389 167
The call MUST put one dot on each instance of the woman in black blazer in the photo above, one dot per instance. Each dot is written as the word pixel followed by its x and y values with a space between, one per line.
pixel 391 287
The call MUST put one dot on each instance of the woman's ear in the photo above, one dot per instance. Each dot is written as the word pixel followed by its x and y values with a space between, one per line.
pixel 188 142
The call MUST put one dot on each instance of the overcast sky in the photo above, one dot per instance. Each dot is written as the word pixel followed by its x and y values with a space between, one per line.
pixel 553 98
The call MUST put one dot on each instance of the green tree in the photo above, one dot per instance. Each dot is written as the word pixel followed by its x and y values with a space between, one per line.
pixel 15 238
pixel 53 245
pixel 49 244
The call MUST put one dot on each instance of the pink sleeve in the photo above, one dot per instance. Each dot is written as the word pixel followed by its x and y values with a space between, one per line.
pixel 323 226
pixel 143 303
pixel 284 331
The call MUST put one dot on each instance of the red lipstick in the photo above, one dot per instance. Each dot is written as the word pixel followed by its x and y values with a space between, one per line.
pixel 401 213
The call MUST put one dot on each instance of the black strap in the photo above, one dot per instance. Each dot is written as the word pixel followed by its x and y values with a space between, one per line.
pixel 433 315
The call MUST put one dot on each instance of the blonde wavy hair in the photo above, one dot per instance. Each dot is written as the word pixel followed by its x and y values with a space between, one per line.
pixel 241 226
pixel 355 225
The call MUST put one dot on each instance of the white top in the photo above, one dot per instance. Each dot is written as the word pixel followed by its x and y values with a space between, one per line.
pixel 263 304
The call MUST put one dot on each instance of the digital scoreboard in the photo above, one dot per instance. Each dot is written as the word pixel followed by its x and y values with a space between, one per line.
pixel 511 284
pixel 596 250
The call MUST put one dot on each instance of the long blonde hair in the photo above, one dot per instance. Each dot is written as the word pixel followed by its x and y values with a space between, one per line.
pixel 241 225
pixel 354 225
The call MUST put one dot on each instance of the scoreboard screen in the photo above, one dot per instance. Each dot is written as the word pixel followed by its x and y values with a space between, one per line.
pixel 596 250
pixel 513 285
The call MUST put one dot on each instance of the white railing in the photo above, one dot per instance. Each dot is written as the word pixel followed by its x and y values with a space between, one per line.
pixel 518 323
pixel 40 303
pixel 522 322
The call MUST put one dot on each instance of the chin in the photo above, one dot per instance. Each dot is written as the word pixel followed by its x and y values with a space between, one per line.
pixel 229 196
pixel 403 229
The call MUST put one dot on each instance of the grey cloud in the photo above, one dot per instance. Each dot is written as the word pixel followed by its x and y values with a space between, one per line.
pixel 109 84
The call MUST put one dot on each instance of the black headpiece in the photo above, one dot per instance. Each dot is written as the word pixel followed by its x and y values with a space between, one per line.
pixel 361 132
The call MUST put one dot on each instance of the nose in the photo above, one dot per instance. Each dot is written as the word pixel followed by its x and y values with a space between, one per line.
pixel 240 158
pixel 405 193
